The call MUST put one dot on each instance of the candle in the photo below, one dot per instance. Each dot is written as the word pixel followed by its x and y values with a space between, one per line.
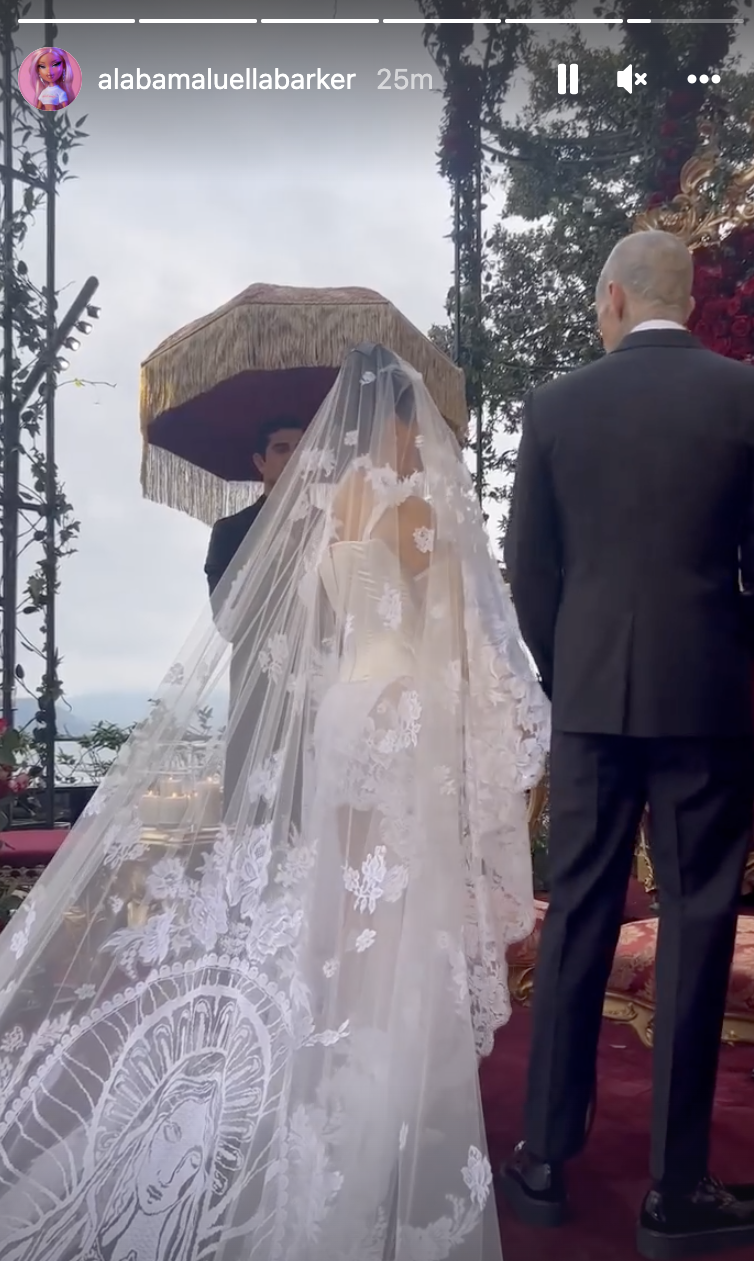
pixel 169 786
pixel 149 810
pixel 209 800
pixel 173 810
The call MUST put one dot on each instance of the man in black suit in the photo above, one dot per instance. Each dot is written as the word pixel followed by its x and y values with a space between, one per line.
pixel 630 553
pixel 276 442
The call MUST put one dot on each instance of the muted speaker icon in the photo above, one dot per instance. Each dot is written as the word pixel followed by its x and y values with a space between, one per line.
pixel 627 79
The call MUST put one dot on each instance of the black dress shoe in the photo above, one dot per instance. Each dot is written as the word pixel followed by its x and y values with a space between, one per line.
pixel 713 1218
pixel 534 1189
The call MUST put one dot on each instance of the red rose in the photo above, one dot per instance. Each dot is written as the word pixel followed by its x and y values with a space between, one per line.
pixel 722 347
pixel 716 308
pixel 3 726
pixel 709 269
pixel 681 102
pixel 709 275
pixel 703 332
pixel 741 328
pixel 669 127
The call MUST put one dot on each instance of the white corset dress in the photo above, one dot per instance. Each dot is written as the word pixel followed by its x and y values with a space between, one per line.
pixel 376 604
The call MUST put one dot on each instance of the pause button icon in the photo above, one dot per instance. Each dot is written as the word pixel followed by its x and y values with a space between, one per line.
pixel 568 80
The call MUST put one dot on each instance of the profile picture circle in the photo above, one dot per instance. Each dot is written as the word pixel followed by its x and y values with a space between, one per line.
pixel 49 79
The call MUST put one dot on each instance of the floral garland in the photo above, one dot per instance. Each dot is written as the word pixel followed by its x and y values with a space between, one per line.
pixel 460 139
pixel 723 318
pixel 678 140
pixel 14 779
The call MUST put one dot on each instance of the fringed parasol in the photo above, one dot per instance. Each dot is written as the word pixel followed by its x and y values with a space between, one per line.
pixel 272 350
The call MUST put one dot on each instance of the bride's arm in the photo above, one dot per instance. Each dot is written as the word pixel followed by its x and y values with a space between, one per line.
pixel 436 572
pixel 417 528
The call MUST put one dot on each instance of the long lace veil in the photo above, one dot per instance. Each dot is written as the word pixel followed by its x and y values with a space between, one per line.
pixel 248 1029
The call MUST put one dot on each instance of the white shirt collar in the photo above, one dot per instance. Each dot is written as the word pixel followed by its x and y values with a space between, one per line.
pixel 648 324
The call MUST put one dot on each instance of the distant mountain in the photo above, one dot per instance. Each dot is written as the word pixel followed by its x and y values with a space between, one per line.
pixel 69 723
pixel 78 714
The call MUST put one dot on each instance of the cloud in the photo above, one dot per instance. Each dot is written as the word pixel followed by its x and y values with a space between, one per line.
pixel 171 236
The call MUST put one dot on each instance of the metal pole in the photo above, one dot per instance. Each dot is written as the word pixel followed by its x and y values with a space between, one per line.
pixel 49 682
pixel 67 325
pixel 50 494
pixel 478 305
pixel 457 348
pixel 11 431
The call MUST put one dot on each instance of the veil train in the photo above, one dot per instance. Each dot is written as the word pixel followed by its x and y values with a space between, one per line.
pixel 252 1033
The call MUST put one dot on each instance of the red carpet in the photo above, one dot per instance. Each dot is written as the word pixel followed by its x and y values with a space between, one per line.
pixel 608 1181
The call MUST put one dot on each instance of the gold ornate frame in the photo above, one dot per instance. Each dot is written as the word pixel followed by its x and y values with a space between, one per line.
pixel 702 213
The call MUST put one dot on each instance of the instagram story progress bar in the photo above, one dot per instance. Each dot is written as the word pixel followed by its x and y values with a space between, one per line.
pixel 62 20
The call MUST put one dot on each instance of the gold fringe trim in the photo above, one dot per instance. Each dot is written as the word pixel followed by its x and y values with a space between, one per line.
pixel 167 479
pixel 270 328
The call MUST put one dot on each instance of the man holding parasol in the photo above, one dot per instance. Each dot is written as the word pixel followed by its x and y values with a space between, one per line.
pixel 276 441
pixel 275 444
pixel 225 401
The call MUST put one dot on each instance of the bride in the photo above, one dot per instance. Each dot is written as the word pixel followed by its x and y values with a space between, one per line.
pixel 258 1040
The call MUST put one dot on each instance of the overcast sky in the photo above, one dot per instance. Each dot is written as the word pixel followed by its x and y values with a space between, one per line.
pixel 181 201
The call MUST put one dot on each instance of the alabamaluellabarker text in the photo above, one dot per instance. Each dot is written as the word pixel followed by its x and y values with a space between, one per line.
pixel 250 80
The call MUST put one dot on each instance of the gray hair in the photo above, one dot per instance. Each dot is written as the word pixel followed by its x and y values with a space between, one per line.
pixel 655 268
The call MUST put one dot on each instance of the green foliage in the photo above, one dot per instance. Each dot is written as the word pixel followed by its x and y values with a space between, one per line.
pixel 575 170
pixel 95 754
pixel 42 148
pixel 9 904
pixel 477 76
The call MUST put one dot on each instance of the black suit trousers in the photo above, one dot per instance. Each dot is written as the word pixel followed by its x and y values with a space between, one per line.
pixel 700 795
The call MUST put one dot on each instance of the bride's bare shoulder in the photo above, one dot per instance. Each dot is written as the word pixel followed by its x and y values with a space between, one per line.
pixel 352 503
pixel 415 513
pixel 353 486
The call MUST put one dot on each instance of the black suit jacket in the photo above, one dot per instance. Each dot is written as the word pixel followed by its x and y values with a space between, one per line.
pixel 630 547
pixel 227 536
